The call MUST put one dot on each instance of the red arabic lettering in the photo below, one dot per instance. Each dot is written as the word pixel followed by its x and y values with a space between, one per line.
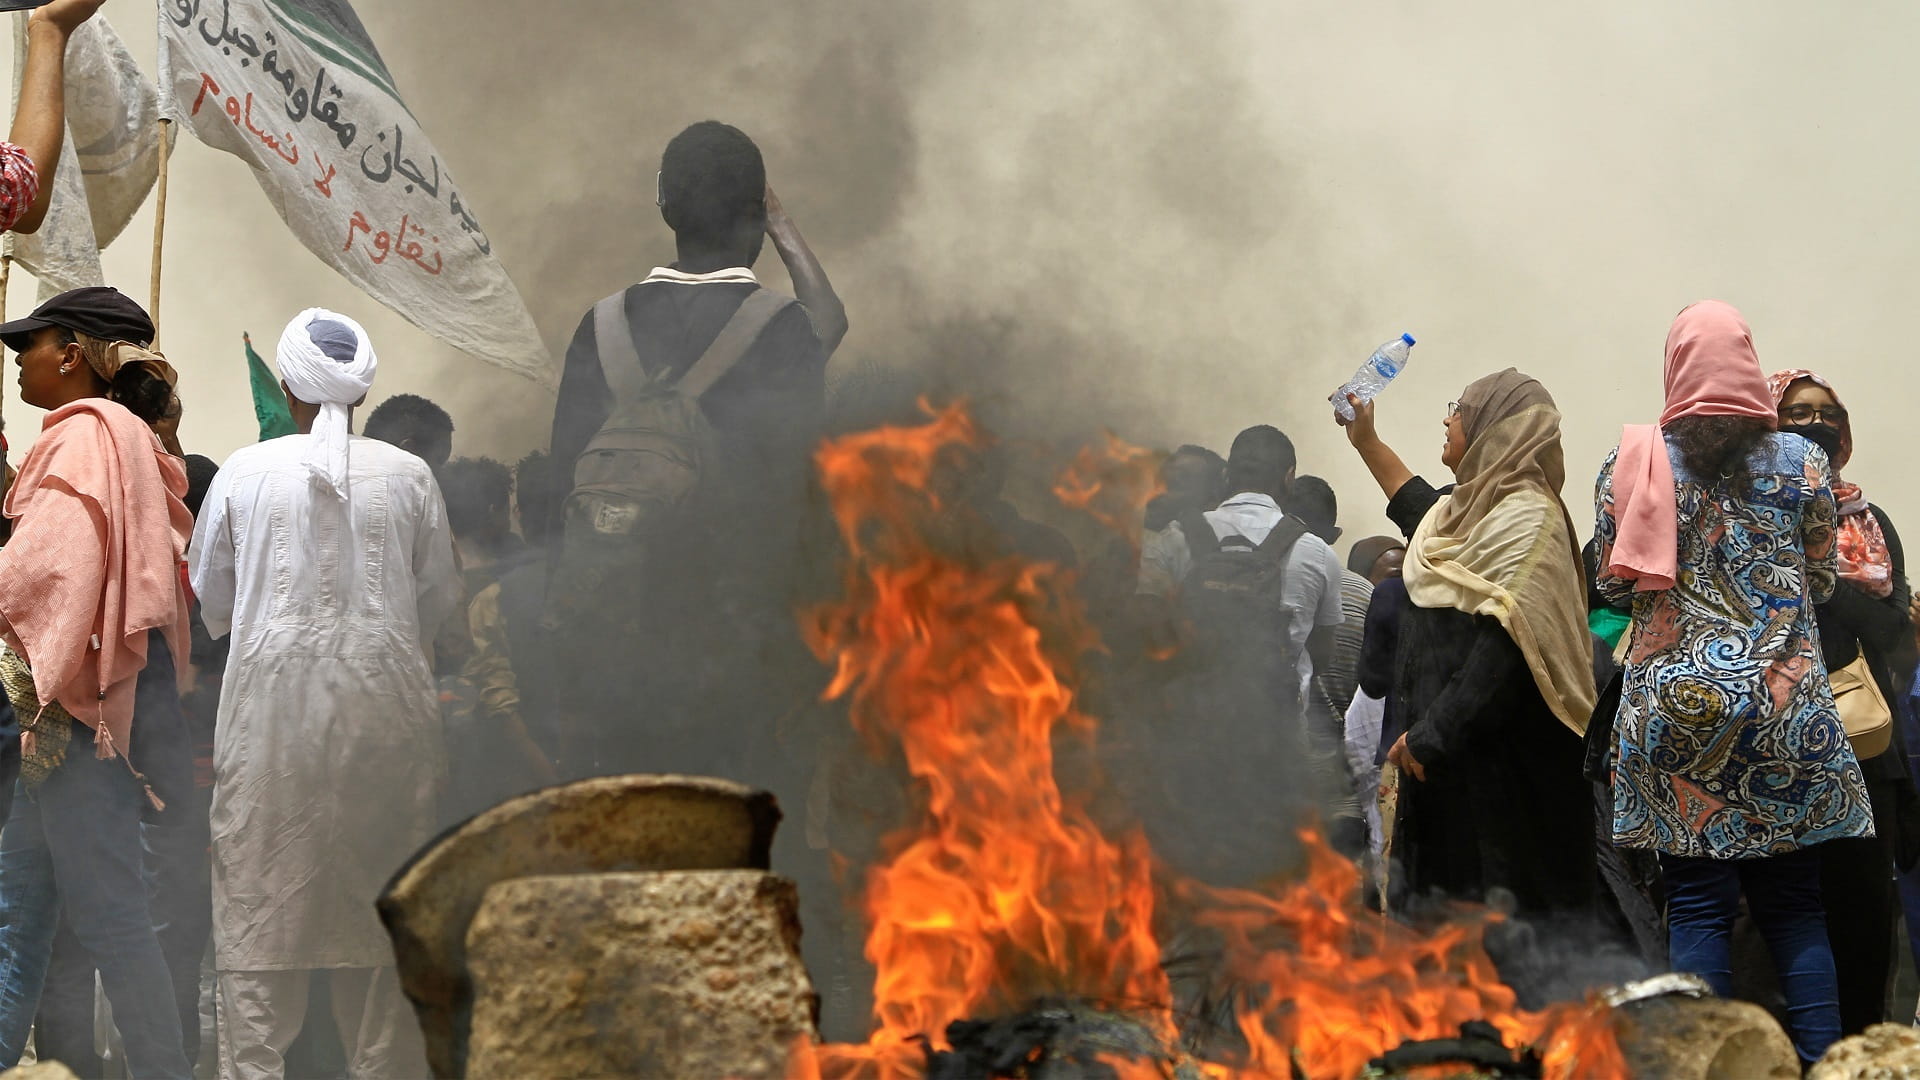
pixel 383 244
pixel 325 183
pixel 241 115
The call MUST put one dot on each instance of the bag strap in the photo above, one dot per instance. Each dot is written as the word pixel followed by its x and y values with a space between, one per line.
pixel 620 360
pixel 1199 533
pixel 1285 534
pixel 735 338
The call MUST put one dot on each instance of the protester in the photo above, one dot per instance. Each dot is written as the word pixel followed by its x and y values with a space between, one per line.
pixel 1494 673
pixel 1371 724
pixel 512 665
pixel 1906 713
pixel 1260 595
pixel 658 603
pixel 183 895
pixel 1193 478
pixel 491 754
pixel 94 618
pixel 1377 558
pixel 981 524
pixel 176 867
pixel 32 149
pixel 1731 760
pixel 479 496
pixel 415 425
pixel 327 557
pixel 1866 620
pixel 1335 679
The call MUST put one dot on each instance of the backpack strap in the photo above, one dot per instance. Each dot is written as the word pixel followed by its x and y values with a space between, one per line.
pixel 1280 541
pixel 1199 533
pixel 735 338
pixel 620 361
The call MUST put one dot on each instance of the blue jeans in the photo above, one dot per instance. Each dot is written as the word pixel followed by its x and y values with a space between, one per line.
pixel 1783 894
pixel 74 846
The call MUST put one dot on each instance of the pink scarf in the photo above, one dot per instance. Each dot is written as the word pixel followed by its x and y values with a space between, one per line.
pixel 1711 370
pixel 94 562
pixel 1865 559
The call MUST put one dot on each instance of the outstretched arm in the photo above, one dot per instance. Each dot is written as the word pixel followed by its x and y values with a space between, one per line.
pixel 810 284
pixel 1388 470
pixel 40 121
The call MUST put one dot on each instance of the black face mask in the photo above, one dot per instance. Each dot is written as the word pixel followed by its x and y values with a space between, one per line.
pixel 1824 436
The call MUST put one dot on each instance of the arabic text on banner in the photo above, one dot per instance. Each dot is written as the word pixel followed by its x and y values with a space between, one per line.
pixel 297 90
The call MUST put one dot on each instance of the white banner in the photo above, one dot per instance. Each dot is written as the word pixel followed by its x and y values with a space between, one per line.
pixel 297 90
pixel 113 125
pixel 108 160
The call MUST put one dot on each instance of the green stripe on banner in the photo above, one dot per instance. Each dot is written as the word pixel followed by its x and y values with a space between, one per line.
pixel 323 39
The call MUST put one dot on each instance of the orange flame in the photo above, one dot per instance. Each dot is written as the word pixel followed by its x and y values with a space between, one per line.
pixel 1005 890
pixel 1112 482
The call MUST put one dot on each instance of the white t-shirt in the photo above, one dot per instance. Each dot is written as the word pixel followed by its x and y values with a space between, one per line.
pixel 1310 593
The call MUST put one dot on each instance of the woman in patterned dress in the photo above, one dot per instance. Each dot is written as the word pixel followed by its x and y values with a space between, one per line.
pixel 1732 763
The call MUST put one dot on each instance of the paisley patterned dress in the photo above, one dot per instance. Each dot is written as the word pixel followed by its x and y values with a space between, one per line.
pixel 1728 743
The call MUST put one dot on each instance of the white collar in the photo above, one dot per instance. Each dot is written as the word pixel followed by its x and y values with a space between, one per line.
pixel 737 275
pixel 1251 498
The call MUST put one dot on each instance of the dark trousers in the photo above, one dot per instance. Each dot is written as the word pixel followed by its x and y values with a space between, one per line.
pixel 1783 893
pixel 48 950
pixel 1856 881
pixel 63 1026
pixel 74 848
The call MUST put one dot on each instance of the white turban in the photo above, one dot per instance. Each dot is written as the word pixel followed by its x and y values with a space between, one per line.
pixel 335 385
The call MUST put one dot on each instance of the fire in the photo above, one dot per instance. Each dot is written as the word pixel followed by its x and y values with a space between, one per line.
pixel 1005 890
pixel 1112 482
pixel 1338 984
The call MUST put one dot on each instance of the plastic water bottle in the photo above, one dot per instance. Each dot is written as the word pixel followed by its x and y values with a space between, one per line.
pixel 1387 361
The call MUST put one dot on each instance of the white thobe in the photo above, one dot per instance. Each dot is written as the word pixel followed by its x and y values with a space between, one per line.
pixel 328 756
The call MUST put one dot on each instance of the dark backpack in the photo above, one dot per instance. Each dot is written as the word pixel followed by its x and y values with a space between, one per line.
pixel 1234 606
pixel 648 459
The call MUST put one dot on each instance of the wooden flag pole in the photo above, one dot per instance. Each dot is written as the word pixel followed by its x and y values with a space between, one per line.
pixel 159 229
pixel 6 273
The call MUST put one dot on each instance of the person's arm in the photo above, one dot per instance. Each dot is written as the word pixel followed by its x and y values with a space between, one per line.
pixel 1388 470
pixel 810 284
pixel 1853 620
pixel 1380 640
pixel 497 691
pixel 1322 613
pixel 1460 714
pixel 1817 532
pixel 40 120
pixel 210 559
pixel 436 580
pixel 1164 560
pixel 1606 529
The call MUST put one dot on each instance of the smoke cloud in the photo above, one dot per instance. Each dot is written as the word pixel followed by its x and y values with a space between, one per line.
pixel 1174 221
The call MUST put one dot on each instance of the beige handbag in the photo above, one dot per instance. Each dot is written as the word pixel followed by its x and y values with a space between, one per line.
pixel 1863 709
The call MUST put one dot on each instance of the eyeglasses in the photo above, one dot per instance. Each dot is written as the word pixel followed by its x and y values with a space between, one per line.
pixel 1453 409
pixel 1806 414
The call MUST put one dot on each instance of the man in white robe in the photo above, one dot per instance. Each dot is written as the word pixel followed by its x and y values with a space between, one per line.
pixel 325 555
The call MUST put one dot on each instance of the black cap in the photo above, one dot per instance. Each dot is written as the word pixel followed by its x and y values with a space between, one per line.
pixel 97 311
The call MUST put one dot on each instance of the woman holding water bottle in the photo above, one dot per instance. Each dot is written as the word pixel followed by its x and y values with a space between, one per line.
pixel 1494 672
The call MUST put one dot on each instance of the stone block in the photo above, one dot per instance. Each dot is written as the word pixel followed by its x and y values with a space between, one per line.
pixel 686 974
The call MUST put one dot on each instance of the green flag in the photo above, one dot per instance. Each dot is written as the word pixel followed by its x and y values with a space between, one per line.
pixel 269 404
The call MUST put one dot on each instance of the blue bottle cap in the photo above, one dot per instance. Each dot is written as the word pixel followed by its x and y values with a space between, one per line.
pixel 1408 338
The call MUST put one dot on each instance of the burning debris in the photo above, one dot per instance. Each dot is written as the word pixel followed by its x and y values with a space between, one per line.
pixel 1006 891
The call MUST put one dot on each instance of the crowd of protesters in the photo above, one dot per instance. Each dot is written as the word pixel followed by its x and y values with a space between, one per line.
pixel 238 697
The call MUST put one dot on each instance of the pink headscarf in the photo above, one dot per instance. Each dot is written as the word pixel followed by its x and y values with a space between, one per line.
pixel 1711 370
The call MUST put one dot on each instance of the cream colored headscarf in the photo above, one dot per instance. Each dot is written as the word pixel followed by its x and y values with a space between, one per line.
pixel 1502 543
